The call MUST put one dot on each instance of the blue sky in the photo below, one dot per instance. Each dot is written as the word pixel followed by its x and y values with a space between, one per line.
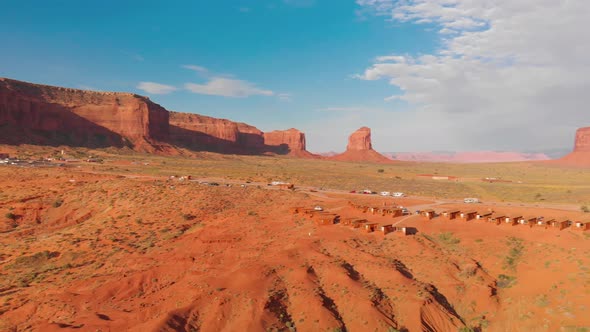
pixel 271 63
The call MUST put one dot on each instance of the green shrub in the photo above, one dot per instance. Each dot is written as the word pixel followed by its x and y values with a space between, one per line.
pixel 10 216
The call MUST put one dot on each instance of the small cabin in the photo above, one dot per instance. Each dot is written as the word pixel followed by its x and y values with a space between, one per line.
pixel 324 219
pixel 358 223
pixel 468 215
pixel 397 212
pixel 451 214
pixel 497 219
pixel 560 224
pixel 386 229
pixel 429 213
pixel 512 220
pixel 582 226
pixel 529 221
pixel 407 230
pixel 369 228
pixel 544 222
pixel 484 215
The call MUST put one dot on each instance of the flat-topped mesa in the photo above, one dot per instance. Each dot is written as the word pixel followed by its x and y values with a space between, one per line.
pixel 205 133
pixel 43 114
pixel 285 141
pixel 582 143
pixel 360 140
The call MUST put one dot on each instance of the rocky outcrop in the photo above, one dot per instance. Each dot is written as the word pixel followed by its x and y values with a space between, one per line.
pixel 360 148
pixel 41 114
pixel 582 142
pixel 581 154
pixel 360 140
pixel 49 115
pixel 290 141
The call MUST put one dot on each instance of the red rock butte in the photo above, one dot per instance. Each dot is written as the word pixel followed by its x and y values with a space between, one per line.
pixel 360 148
pixel 581 154
pixel 48 115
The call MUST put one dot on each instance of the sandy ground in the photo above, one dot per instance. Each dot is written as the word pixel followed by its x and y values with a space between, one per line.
pixel 84 251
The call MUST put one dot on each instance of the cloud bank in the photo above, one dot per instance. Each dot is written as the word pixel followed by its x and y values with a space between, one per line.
pixel 509 74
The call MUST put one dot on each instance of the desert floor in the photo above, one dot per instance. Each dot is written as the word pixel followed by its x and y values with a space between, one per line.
pixel 119 245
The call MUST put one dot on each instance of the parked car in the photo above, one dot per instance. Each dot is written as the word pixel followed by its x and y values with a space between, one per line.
pixel 398 194
pixel 367 192
pixel 385 193
pixel 318 208
pixel 405 211
pixel 470 200
pixel 353 191
pixel 213 184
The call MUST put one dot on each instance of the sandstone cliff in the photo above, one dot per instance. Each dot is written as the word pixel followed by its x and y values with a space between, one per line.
pixel 291 142
pixel 48 115
pixel 41 114
pixel 360 148
pixel 581 154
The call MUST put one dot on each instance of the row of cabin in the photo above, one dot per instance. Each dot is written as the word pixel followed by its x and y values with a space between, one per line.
pixel 321 218
pixel 370 227
pixel 514 220
pixel 382 211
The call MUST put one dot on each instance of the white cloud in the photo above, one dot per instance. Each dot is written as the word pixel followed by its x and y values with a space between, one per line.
pixel 155 88
pixel 509 74
pixel 285 97
pixel 227 87
pixel 196 68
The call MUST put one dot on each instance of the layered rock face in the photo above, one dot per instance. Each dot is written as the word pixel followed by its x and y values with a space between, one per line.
pixel 47 115
pixel 360 148
pixel 286 140
pixel 42 114
pixel 360 140
pixel 582 143
pixel 204 133
pixel 581 154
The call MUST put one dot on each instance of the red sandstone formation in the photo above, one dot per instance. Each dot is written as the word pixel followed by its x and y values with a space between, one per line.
pixel 360 140
pixel 359 148
pixel 581 154
pixel 48 115
pixel 41 114
pixel 291 142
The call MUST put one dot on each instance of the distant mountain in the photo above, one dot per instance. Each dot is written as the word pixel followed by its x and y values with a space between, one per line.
pixel 467 157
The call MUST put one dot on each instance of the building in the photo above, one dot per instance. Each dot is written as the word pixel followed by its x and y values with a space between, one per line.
pixel 529 221
pixel 386 229
pixel 358 223
pixel 451 214
pixel 512 220
pixel 582 225
pixel 324 219
pixel 560 224
pixel 397 212
pixel 468 215
pixel 484 215
pixel 407 230
pixel 497 218
pixel 428 213
pixel 369 228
